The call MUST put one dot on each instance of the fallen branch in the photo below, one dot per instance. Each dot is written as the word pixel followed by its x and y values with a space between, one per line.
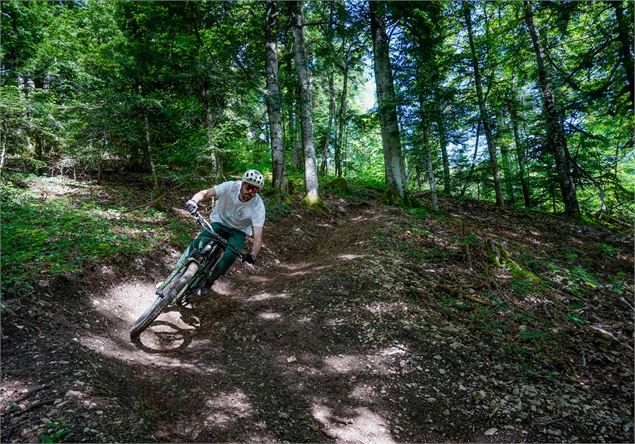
pixel 475 299
pixel 626 302
pixel 610 335
pixel 30 391
pixel 33 405
pixel 153 201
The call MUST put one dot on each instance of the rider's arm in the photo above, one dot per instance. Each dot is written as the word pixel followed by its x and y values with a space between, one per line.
pixel 203 195
pixel 255 249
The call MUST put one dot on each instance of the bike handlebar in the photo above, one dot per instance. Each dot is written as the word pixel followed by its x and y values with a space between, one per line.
pixel 200 220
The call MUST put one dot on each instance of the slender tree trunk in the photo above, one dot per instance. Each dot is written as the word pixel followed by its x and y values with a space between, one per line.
pixel 310 170
pixel 555 131
pixel 293 93
pixel 469 174
pixel 327 141
pixel 508 176
pixel 24 95
pixel 500 203
pixel 625 45
pixel 425 130
pixel 210 123
pixel 273 98
pixel 295 138
pixel 148 147
pixel 509 182
pixel 520 155
pixel 3 150
pixel 393 159
pixel 342 122
pixel 443 143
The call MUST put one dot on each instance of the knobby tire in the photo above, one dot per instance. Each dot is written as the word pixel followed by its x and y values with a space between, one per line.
pixel 173 289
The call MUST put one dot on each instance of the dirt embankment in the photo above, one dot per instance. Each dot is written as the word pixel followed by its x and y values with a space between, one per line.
pixel 359 324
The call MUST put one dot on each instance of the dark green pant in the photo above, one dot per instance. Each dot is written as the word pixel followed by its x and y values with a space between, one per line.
pixel 235 238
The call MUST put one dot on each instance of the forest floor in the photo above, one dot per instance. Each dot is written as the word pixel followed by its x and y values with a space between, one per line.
pixel 360 323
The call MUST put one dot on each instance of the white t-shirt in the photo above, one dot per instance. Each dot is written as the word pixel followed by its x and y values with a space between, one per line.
pixel 233 213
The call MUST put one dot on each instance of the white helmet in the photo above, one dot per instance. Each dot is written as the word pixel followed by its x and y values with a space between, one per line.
pixel 254 177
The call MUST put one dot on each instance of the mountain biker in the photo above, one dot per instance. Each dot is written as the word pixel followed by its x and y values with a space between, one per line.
pixel 237 210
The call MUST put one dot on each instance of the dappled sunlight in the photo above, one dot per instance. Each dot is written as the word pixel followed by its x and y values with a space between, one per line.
pixel 334 322
pixel 350 257
pixel 307 271
pixel 122 304
pixel 11 389
pixel 363 392
pixel 157 346
pixel 226 408
pixel 57 186
pixel 223 288
pixel 305 320
pixel 384 361
pixel 221 413
pixel 301 268
pixel 386 307
pixel 368 216
pixel 265 296
pixel 255 278
pixel 361 425
pixel 345 363
pixel 125 301
pixel 296 266
pixel 270 316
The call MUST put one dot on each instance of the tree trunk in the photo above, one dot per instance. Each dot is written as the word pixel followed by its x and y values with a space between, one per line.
pixel 428 153
pixel 508 176
pixel 327 141
pixel 342 122
pixel 520 153
pixel 625 46
pixel 3 150
pixel 509 182
pixel 293 92
pixel 310 171
pixel 148 147
pixel 393 159
pixel 555 131
pixel 469 174
pixel 295 138
pixel 500 203
pixel 273 98
pixel 210 123
pixel 443 142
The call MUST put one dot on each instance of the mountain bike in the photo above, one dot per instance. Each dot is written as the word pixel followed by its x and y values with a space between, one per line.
pixel 186 279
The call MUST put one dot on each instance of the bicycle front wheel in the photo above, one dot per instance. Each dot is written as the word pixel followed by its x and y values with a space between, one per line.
pixel 176 286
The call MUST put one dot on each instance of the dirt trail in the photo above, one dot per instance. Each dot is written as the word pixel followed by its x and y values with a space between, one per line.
pixel 263 361
pixel 309 345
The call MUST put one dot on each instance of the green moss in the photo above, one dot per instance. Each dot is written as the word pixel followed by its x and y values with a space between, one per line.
pixel 392 197
pixel 339 186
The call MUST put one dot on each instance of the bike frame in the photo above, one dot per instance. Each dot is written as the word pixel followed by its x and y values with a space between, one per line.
pixel 201 257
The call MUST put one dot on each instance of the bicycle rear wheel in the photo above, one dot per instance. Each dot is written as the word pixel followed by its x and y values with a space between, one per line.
pixel 176 286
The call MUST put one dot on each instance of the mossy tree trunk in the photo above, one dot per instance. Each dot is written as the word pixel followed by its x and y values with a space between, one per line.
pixel 273 97
pixel 310 165
pixel 391 142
